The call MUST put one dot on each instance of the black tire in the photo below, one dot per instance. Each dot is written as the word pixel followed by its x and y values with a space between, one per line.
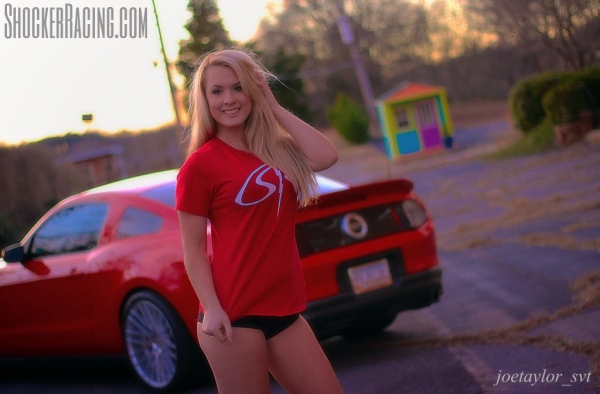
pixel 160 349
pixel 370 328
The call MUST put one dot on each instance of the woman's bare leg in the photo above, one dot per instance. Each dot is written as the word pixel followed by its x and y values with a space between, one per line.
pixel 240 366
pixel 297 362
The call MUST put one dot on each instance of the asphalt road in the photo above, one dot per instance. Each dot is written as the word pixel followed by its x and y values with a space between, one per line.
pixel 513 236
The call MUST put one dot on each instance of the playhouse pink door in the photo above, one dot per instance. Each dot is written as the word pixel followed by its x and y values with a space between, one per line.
pixel 428 123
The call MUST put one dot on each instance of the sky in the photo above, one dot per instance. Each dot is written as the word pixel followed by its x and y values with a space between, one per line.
pixel 47 84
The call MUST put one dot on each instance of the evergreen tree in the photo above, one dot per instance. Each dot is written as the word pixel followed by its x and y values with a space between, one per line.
pixel 289 88
pixel 206 34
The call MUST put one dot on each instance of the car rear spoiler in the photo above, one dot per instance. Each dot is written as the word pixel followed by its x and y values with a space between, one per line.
pixel 358 193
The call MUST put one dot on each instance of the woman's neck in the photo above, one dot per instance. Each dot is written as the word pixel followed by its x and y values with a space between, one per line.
pixel 234 138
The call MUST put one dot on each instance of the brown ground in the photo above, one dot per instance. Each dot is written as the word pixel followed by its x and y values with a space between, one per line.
pixel 470 114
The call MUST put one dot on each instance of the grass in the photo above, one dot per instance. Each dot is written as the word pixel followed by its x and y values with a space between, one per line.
pixel 539 139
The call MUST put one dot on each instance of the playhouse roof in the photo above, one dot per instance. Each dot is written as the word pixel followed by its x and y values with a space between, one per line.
pixel 407 90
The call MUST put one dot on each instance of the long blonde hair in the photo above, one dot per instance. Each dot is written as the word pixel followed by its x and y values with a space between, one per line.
pixel 265 138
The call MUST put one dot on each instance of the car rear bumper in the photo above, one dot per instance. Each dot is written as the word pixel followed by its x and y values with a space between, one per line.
pixel 333 315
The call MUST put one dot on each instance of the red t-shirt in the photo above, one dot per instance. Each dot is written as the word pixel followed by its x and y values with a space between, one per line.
pixel 252 212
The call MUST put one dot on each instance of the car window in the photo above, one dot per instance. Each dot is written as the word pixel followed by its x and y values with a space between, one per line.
pixel 164 194
pixel 72 229
pixel 328 185
pixel 136 221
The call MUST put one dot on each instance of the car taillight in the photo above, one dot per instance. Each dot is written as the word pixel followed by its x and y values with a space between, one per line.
pixel 360 225
pixel 413 212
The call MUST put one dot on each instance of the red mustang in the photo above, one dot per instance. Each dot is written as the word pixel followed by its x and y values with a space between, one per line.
pixel 102 273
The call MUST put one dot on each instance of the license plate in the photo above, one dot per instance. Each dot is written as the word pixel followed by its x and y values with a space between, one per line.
pixel 371 276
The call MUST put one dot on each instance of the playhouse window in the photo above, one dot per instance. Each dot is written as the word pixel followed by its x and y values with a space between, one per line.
pixel 401 116
pixel 426 113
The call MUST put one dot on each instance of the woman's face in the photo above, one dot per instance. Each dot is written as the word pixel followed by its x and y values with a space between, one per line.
pixel 228 104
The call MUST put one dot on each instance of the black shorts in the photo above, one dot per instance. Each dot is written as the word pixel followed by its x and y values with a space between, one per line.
pixel 269 325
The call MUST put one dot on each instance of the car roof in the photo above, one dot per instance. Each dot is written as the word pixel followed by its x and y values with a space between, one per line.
pixel 138 184
pixel 143 183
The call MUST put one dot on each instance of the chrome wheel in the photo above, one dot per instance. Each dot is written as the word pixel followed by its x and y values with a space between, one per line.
pixel 150 343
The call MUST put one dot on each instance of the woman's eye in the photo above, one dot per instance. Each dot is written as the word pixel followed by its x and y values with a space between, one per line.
pixel 216 91
pixel 238 88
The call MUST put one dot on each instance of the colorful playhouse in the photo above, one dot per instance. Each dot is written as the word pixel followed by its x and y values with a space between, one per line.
pixel 414 118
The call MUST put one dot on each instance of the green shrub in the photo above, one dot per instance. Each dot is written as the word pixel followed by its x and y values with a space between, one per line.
pixel 590 84
pixel 348 118
pixel 539 139
pixel 563 101
pixel 525 99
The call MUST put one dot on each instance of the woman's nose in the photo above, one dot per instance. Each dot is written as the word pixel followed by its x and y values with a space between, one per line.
pixel 228 96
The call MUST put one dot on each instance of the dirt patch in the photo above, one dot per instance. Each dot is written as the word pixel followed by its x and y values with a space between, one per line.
pixel 471 244
pixel 561 241
pixel 517 210
pixel 472 114
pixel 586 224
pixel 467 235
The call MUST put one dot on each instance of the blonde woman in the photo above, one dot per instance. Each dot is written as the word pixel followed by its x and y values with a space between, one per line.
pixel 250 164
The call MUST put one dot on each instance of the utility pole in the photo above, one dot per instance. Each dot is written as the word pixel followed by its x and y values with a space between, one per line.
pixel 366 90
pixel 172 89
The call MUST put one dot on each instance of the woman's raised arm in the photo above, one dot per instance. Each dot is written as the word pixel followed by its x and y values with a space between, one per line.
pixel 319 151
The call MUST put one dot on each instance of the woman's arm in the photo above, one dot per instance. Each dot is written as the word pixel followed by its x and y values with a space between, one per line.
pixel 193 234
pixel 319 151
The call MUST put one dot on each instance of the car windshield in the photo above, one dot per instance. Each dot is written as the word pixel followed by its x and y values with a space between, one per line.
pixel 164 194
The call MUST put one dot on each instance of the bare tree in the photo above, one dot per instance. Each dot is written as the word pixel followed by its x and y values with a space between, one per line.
pixel 570 28
pixel 453 31
pixel 390 36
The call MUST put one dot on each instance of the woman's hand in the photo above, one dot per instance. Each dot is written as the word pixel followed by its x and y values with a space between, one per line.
pixel 216 324
pixel 319 151
pixel 263 86
pixel 193 233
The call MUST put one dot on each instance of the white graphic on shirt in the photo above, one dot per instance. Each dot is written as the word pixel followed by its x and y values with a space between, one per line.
pixel 258 180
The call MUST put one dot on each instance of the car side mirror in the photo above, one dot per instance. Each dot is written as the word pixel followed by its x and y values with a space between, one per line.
pixel 13 254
